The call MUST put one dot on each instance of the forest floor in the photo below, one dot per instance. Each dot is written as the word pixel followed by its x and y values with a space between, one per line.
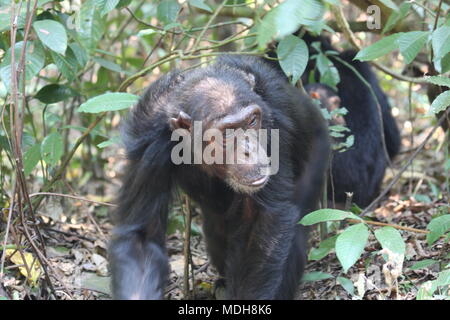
pixel 78 254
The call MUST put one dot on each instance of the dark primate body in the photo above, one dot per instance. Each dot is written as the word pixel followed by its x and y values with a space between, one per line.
pixel 359 170
pixel 253 238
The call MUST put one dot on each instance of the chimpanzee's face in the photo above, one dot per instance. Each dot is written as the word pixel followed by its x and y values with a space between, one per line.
pixel 231 147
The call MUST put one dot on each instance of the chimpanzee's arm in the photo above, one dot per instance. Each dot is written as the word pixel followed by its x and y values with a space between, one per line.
pixel 137 252
pixel 138 259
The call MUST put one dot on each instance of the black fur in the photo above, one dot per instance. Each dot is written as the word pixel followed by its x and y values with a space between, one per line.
pixel 253 240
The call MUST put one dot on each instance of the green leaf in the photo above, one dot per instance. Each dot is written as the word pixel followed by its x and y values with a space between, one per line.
pixel 5 14
pixel 53 93
pixel 107 143
pixel 106 6
pixel 200 4
pixel 441 102
pixel 316 276
pixel 350 244
pixel 440 41
pixel 443 278
pixel 396 16
pixel 108 64
pixel 293 55
pixel 167 11
pixel 347 284
pixel 90 25
pixel 443 65
pixel 438 226
pixel 324 248
pixel 423 264
pixel 123 3
pixel 31 158
pixel 389 4
pixel 390 239
pixel 67 65
pixel 52 148
pixel 328 73
pixel 34 60
pixel 326 215
pixel 52 34
pixel 410 43
pixel 80 54
pixel 287 17
pixel 109 102
pixel 379 48
pixel 439 80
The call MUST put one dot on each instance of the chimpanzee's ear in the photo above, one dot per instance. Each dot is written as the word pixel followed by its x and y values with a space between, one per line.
pixel 183 121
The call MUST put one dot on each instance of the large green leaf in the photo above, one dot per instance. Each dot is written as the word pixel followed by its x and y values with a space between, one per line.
pixel 397 16
pixel 34 61
pixel 109 102
pixel 293 57
pixel 379 48
pixel 326 215
pixel 440 41
pixel 439 80
pixel 53 93
pixel 350 244
pixel 438 226
pixel 441 102
pixel 31 158
pixel 5 14
pixel 52 148
pixel 287 17
pixel 390 4
pixel 52 34
pixel 443 278
pixel 106 6
pixel 90 25
pixel 410 43
pixel 108 64
pixel 200 4
pixel 80 54
pixel 390 239
pixel 67 65
pixel 167 11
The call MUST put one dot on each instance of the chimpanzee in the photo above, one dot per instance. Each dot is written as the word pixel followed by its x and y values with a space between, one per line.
pixel 250 215
pixel 360 169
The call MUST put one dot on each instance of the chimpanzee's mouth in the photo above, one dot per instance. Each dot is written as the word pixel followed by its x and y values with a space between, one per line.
pixel 259 182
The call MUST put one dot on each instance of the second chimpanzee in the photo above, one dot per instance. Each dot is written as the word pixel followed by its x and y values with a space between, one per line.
pixel 359 170
pixel 250 213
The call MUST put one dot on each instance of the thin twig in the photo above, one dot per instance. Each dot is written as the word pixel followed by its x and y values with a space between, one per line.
pixel 71 197
pixel 202 33
pixel 187 244
pixel 382 224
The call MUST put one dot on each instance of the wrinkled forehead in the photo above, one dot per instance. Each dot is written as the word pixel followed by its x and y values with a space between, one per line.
pixel 212 97
pixel 222 93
